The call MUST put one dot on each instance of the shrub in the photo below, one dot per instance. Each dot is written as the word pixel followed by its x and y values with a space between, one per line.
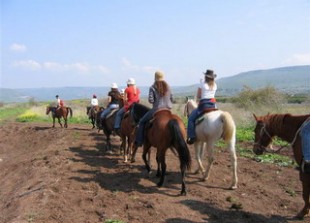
pixel 252 100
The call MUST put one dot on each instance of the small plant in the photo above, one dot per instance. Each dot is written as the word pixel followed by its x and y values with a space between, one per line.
pixel 113 221
pixel 28 116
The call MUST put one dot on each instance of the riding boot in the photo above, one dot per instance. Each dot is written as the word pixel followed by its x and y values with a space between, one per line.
pixel 305 167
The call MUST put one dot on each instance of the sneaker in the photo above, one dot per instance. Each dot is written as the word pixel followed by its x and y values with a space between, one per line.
pixel 191 141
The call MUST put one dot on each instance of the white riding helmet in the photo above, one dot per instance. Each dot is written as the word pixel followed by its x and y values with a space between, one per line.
pixel 114 86
pixel 131 81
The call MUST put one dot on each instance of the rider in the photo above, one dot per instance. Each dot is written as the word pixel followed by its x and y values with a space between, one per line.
pixel 132 94
pixel 113 101
pixel 305 140
pixel 205 94
pixel 94 104
pixel 160 96
pixel 59 103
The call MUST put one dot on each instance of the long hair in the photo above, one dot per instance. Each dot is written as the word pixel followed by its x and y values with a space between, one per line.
pixel 162 87
pixel 210 82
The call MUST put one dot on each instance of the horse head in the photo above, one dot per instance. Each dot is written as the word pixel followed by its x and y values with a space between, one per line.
pixel 137 111
pixel 262 136
pixel 48 109
pixel 189 106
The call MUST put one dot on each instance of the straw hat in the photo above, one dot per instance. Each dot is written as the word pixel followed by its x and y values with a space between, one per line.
pixel 159 76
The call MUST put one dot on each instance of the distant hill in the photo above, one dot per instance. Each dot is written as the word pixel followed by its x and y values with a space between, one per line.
pixel 292 80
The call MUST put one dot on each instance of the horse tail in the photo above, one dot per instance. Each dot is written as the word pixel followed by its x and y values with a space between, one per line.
pixel 179 144
pixel 69 110
pixel 229 127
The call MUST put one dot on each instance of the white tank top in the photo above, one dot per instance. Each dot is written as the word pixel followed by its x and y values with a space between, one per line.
pixel 206 92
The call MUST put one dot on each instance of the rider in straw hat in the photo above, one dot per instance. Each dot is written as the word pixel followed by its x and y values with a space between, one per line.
pixel 206 96
pixel 160 97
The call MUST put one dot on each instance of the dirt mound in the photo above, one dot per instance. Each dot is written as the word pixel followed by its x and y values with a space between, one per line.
pixel 63 175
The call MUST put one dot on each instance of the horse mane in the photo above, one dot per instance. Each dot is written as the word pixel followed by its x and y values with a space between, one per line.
pixel 284 125
pixel 138 110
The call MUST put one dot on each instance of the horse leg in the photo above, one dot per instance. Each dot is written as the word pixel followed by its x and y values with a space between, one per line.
pixel 108 146
pixel 210 147
pixel 53 122
pixel 305 196
pixel 158 174
pixel 146 149
pixel 59 121
pixel 199 146
pixel 66 123
pixel 162 162
pixel 233 160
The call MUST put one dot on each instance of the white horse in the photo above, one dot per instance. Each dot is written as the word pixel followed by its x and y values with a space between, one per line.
pixel 215 125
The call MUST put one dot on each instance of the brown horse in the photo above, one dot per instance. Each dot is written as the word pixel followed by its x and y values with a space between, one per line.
pixel 166 131
pixel 61 112
pixel 92 111
pixel 107 125
pixel 127 133
pixel 286 127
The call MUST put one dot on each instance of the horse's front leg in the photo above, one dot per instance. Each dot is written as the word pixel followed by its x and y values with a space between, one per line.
pixel 305 196
pixel 210 147
pixel 199 147
pixel 53 122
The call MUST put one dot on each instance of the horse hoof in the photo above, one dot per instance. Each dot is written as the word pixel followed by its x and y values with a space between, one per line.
pixel 183 193
pixel 133 160
pixel 233 188
pixel 159 184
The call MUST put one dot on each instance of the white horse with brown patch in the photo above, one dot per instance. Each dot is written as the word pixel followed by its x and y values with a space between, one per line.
pixel 210 128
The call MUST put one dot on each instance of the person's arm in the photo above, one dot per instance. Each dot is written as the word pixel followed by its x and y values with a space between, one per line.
pixel 151 97
pixel 198 94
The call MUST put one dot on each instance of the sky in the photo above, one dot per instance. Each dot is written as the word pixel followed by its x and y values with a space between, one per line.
pixel 93 43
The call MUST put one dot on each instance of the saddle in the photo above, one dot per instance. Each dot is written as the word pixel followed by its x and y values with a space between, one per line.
pixel 111 113
pixel 201 115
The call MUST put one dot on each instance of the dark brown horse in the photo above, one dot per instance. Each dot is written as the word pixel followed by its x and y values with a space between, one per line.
pixel 286 127
pixel 167 131
pixel 129 127
pixel 61 112
pixel 107 125
pixel 92 111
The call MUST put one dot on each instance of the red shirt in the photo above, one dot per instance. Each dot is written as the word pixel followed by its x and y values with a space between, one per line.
pixel 133 95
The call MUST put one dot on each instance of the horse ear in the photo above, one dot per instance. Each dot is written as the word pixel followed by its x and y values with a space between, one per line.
pixel 255 116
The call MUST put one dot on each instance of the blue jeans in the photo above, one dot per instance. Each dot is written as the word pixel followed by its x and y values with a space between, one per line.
pixel 305 140
pixel 118 118
pixel 191 133
pixel 108 110
pixel 140 134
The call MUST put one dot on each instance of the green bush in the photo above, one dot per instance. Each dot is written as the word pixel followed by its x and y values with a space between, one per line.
pixel 253 100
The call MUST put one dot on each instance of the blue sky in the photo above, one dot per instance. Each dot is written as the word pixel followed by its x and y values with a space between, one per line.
pixel 57 43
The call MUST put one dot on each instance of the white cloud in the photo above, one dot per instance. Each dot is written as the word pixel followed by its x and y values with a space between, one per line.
pixel 298 59
pixel 18 47
pixel 58 67
pixel 127 65
pixel 27 64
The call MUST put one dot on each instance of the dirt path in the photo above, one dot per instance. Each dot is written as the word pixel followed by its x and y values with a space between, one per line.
pixel 63 175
